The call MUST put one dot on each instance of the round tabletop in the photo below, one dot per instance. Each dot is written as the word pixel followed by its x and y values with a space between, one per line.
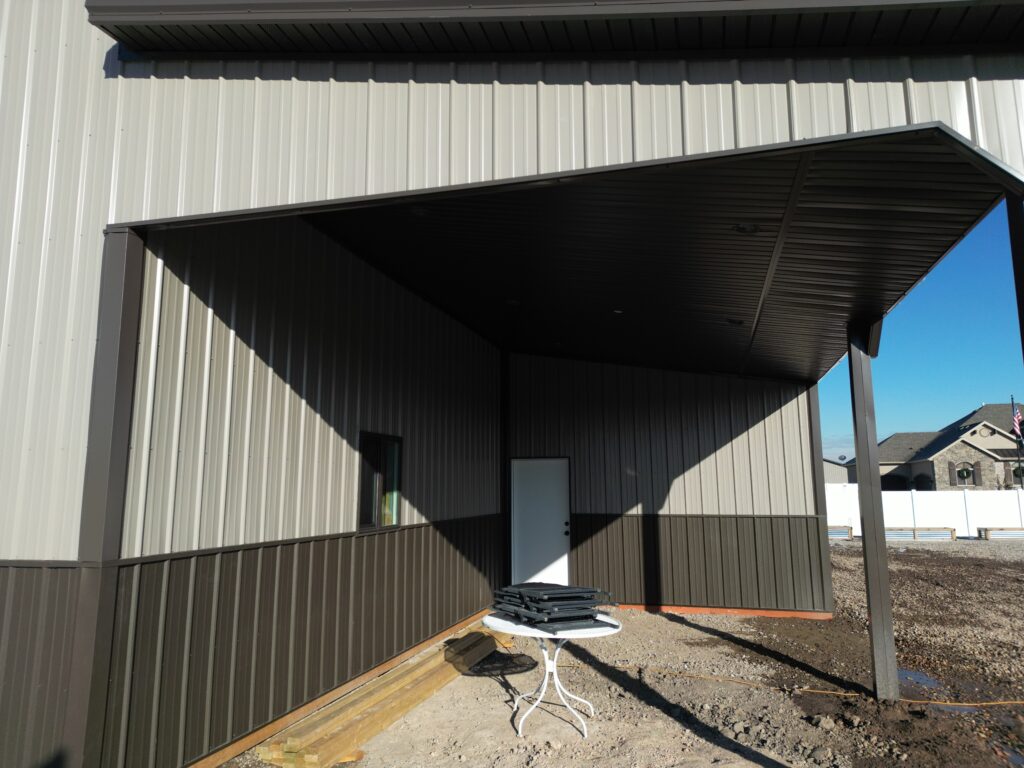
pixel 492 621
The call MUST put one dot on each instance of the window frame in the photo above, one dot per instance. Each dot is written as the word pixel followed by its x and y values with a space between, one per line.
pixel 373 472
pixel 966 480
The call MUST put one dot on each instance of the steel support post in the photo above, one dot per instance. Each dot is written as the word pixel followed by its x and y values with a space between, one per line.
pixel 863 344
pixel 106 474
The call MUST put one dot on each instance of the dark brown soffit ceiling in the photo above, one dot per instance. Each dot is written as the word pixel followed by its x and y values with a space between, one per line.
pixel 752 261
pixel 436 29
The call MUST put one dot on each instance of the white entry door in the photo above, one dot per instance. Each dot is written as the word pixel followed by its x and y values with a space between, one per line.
pixel 540 520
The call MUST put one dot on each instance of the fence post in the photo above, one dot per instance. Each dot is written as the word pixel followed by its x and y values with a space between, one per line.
pixel 967 513
pixel 913 507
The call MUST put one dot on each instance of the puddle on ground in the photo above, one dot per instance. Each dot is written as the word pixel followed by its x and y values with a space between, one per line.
pixel 925 686
pixel 920 679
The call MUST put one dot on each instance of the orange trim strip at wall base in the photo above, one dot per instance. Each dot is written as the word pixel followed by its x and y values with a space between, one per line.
pixel 697 609
pixel 250 740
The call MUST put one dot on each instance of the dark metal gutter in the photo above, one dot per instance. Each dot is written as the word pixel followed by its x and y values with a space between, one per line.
pixel 311 11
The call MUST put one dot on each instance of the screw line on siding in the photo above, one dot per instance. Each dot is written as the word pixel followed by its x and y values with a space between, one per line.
pixel 6 306
pixel 232 341
pixel 158 665
pixel 143 450
pixel 247 448
pixel 233 656
pixel 170 510
pixel 200 468
pixel 185 659
pixel 29 433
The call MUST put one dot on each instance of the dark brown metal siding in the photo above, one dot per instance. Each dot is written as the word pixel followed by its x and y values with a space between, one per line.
pixel 684 560
pixel 211 646
pixel 37 617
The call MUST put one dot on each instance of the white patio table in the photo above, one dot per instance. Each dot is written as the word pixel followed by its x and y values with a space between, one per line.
pixel 551 660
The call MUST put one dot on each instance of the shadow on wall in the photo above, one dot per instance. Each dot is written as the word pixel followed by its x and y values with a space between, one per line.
pixel 685 489
pixel 120 62
pixel 341 349
pixel 271 352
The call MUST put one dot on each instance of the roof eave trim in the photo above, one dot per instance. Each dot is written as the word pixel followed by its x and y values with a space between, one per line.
pixel 101 12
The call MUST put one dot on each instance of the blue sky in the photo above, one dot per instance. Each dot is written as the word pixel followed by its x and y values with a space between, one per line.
pixel 952 344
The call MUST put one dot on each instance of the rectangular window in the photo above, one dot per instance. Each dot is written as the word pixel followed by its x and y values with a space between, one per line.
pixel 379 477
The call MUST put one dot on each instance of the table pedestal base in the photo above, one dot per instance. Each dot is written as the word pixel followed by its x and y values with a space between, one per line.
pixel 551 670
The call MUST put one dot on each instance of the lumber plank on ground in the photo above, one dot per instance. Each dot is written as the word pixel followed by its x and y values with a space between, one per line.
pixel 334 733
pixel 372 721
pixel 347 707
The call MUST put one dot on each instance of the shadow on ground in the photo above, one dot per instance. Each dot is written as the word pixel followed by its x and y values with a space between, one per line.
pixel 649 696
pixel 772 654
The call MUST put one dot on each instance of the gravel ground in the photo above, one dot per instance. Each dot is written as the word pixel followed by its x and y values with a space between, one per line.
pixel 958 610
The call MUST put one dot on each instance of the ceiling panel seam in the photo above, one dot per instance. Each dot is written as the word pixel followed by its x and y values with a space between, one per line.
pixel 787 218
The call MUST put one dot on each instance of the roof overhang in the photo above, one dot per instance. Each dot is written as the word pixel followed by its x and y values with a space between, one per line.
pixel 550 27
pixel 753 261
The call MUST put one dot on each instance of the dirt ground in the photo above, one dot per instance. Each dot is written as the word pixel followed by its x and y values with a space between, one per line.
pixel 958 611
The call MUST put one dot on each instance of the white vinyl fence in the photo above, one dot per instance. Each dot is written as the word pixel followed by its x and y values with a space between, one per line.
pixel 966 511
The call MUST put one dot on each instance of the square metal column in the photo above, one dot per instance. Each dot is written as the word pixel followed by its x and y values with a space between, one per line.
pixel 863 345
pixel 106 476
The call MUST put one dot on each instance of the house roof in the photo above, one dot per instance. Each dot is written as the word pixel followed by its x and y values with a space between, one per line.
pixel 903 447
pixel 1004 453
pixel 998 415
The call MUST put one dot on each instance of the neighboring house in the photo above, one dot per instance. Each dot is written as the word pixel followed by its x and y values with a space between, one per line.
pixel 319 320
pixel 976 451
pixel 836 472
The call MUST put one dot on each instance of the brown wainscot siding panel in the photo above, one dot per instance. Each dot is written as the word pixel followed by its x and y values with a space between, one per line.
pixel 211 645
pixel 694 568
pixel 37 621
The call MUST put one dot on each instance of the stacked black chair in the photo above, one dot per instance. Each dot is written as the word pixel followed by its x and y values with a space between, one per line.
pixel 551 607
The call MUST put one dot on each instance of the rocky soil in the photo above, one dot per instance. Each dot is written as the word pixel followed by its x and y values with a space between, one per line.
pixel 958 608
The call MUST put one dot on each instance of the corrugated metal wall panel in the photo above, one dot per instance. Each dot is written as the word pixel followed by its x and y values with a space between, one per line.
pixel 88 140
pixel 835 473
pixel 264 351
pixel 37 624
pixel 685 489
pixel 208 648
pixel 643 441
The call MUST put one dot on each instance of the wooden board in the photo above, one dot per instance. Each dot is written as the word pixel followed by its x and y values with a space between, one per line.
pixel 261 734
pixel 986 533
pixel 916 532
pixel 334 733
pixel 847 531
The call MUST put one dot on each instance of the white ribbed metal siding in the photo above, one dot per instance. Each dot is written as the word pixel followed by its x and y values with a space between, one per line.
pixel 265 350
pixel 645 441
pixel 79 149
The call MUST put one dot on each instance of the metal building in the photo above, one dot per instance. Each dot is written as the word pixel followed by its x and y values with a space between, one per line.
pixel 287 289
